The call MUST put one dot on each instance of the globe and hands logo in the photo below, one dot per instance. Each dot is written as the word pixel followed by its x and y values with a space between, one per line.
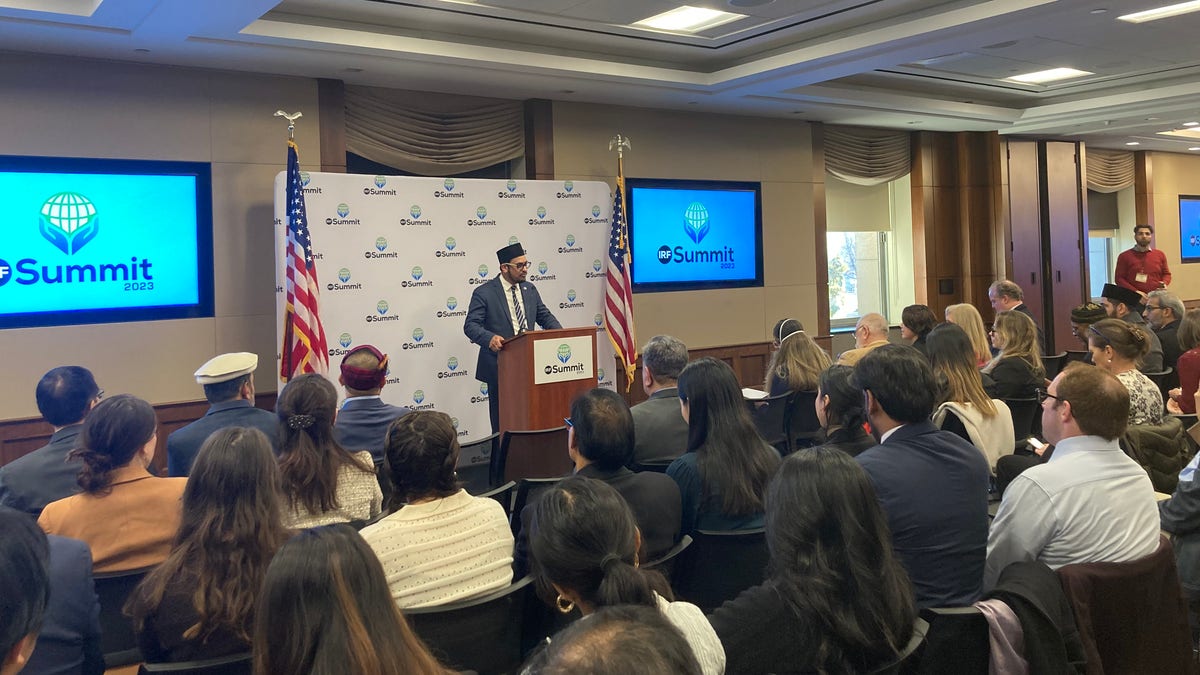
pixel 564 352
pixel 344 340
pixel 417 272
pixel 543 267
pixel 483 270
pixel 380 181
pixel 451 243
pixel 418 396
pixel 451 303
pixel 452 363
pixel 418 334
pixel 596 264
pixel 483 388
pixel 344 274
pixel 570 240
pixel 69 221
pixel 481 212
pixel 414 211
pixel 343 210
pixel 571 295
pixel 381 244
pixel 595 210
pixel 541 212
pixel 511 185
pixel 381 307
pixel 448 184
pixel 695 221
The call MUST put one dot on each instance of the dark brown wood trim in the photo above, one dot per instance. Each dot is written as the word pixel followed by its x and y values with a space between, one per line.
pixel 539 139
pixel 820 227
pixel 331 104
pixel 1143 188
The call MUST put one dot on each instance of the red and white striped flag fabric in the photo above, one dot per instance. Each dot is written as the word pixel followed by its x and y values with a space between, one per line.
pixel 304 347
pixel 618 300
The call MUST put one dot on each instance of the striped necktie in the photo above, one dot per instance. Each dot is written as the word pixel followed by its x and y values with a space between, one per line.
pixel 517 307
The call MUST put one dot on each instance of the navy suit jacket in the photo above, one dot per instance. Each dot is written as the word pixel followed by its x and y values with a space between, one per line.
pixel 488 315
pixel 70 637
pixel 184 444
pixel 45 475
pixel 362 424
pixel 933 487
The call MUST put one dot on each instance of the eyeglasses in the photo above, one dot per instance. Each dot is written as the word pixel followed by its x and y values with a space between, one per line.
pixel 520 266
pixel 99 394
pixel 1042 395
pixel 1151 308
pixel 568 421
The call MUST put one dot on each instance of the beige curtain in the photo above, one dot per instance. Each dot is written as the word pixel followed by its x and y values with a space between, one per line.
pixel 867 156
pixel 432 134
pixel 1109 170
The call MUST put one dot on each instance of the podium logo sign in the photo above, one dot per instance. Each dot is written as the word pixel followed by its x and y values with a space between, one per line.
pixel 563 360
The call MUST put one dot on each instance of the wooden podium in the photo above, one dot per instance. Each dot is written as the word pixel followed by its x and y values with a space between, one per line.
pixel 540 372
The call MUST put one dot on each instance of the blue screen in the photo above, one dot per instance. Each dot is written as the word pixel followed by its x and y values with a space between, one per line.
pixel 87 247
pixel 695 236
pixel 1189 228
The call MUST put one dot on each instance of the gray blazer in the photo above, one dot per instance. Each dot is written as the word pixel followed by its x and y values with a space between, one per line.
pixel 659 432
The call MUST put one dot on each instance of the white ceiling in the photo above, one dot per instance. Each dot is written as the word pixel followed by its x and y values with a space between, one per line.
pixel 913 64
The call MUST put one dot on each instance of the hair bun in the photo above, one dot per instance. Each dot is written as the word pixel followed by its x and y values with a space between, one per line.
pixel 1138 333
pixel 300 421
pixel 609 560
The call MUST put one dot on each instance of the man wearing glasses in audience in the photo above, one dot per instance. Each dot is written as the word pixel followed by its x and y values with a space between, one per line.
pixel 502 308
pixel 1090 502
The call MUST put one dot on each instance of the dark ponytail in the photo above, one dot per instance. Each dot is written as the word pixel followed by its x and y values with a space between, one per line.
pixel 112 434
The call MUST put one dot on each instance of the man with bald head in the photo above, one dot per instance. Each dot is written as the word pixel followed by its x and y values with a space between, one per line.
pixel 871 332
pixel 1090 502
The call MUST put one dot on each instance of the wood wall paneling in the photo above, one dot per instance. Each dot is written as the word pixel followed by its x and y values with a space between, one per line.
pixel 1143 181
pixel 1025 244
pixel 331 101
pixel 539 139
pixel 1064 197
pixel 821 254
pixel 749 363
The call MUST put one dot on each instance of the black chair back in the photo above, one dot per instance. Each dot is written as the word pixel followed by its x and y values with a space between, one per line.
pixel 666 562
pixel 719 565
pixel 770 416
pixel 1024 411
pixel 237 664
pixel 1073 355
pixel 1162 380
pixel 117 640
pixel 1054 364
pixel 474 470
pixel 483 634
pixel 803 427
pixel 528 492
pixel 540 453
pixel 956 642
pixel 503 495
pixel 657 466
pixel 908 658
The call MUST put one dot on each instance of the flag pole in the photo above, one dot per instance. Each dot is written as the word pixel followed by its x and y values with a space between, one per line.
pixel 624 344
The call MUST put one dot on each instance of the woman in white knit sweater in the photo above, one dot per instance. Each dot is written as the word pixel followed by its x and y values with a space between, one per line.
pixel 442 545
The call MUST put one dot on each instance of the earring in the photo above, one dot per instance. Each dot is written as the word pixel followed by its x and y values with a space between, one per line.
pixel 564 605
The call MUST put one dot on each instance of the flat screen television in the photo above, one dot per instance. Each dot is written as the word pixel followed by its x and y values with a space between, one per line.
pixel 694 234
pixel 103 240
pixel 1189 228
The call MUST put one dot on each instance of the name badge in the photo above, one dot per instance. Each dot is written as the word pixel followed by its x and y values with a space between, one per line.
pixel 1141 278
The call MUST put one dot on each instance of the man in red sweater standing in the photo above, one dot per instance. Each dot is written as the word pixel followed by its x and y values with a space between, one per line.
pixel 1141 268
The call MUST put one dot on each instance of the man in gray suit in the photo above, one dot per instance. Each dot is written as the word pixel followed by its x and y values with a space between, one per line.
pixel 659 430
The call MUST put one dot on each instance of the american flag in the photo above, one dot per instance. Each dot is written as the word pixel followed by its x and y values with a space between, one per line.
pixel 304 346
pixel 618 300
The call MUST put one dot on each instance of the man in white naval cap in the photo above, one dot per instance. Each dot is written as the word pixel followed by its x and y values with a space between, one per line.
pixel 228 382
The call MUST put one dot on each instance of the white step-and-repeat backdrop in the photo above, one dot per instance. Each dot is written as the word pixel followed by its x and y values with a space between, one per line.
pixel 398 257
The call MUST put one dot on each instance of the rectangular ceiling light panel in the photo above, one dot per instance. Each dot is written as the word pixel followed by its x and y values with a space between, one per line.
pixel 1164 12
pixel 685 19
pixel 1044 76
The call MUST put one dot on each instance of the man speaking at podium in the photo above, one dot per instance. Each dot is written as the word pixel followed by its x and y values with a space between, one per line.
pixel 500 309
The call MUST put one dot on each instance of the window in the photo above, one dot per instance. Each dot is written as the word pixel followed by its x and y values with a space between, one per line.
pixel 857 275
pixel 1100 264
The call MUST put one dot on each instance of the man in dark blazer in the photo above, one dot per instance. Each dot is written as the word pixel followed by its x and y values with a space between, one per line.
pixel 500 309
pixel 65 395
pixel 228 382
pixel 600 443
pixel 1007 296
pixel 659 430
pixel 24 588
pixel 364 418
pixel 931 484
pixel 1124 304
pixel 70 638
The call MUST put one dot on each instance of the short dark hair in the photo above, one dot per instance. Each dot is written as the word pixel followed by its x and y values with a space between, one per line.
pixel 622 640
pixel 24 578
pixel 1142 226
pixel 845 407
pixel 603 428
pixel 665 357
pixel 900 379
pixel 919 319
pixel 64 394
pixel 1099 401
pixel 422 451
pixel 225 391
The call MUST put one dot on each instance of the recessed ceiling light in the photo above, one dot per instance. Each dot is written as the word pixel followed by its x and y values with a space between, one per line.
pixel 353 70
pixel 1133 143
pixel 749 3
pixel 1193 149
pixel 1191 124
pixel 685 19
pixel 1162 12
pixel 566 91
pixel 1052 75
pixel 1098 10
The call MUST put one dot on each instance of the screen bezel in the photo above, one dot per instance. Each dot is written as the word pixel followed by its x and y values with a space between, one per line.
pixel 686 184
pixel 202 172
pixel 1190 198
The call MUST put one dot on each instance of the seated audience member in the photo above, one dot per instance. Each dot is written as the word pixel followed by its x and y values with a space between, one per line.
pixel 1124 304
pixel 325 610
pixel 1180 517
pixel 584 544
pixel 621 640
pixel 797 363
pixel 1006 296
pixel 1163 312
pixel 1090 502
pixel 199 604
pixel 871 332
pixel 69 641
pixel 1118 347
pixel 29 483
pixel 967 318
pixel 965 408
pixel 915 323
pixel 932 485
pixel 660 432
pixel 363 421
pixel 724 474
pixel 1082 318
pixel 323 482
pixel 600 443
pixel 127 516
pixel 836 600
pixel 24 588
pixel 228 382
pixel 441 544
pixel 1016 370
pixel 1183 398
pixel 840 411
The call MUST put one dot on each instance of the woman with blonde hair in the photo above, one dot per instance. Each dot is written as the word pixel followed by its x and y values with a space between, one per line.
pixel 1017 370
pixel 967 317
pixel 797 363
pixel 1119 347
pixel 966 409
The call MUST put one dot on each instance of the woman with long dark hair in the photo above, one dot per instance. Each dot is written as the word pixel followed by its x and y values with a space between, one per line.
pixel 839 408
pixel 325 610
pixel 199 604
pixel 324 482
pixel 440 544
pixel 1016 370
pixel 127 516
pixel 797 362
pixel 965 407
pixel 583 545
pixel 724 474
pixel 836 599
